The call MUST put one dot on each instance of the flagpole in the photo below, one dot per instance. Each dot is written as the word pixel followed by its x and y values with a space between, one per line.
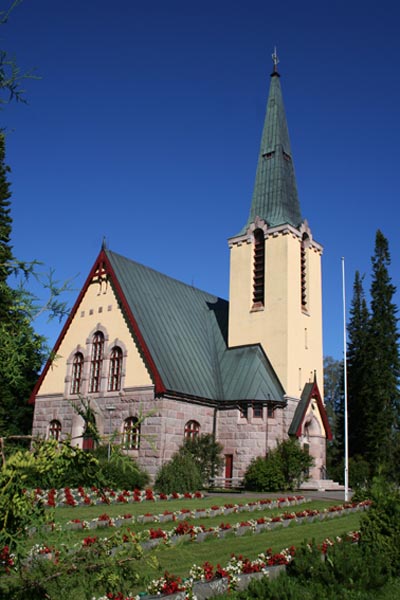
pixel 346 433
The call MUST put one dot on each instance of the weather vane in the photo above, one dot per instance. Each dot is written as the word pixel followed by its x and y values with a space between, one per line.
pixel 275 60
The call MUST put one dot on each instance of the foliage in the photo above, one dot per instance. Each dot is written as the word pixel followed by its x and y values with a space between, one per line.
pixel 207 454
pixel 283 469
pixel 180 474
pixel 380 527
pixel 373 370
pixel 382 414
pixel 86 572
pixel 121 471
pixel 11 76
pixel 84 410
pixel 21 349
pixel 264 475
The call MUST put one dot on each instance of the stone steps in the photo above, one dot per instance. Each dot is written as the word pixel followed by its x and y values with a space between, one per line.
pixel 322 485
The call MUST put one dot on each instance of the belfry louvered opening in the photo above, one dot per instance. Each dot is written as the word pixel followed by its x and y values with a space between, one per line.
pixel 304 271
pixel 259 268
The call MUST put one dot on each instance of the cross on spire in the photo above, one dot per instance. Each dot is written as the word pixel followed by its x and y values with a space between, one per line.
pixel 275 60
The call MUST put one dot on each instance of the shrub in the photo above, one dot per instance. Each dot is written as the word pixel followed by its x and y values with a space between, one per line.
pixel 180 474
pixel 264 475
pixel 380 528
pixel 283 469
pixel 207 454
pixel 121 471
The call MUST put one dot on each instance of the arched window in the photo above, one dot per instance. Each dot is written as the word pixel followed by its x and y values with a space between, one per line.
pixel 259 268
pixel 55 430
pixel 303 271
pixel 114 377
pixel 77 367
pixel 192 429
pixel 97 361
pixel 131 433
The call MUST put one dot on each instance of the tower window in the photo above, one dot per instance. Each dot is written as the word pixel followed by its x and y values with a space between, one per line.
pixel 304 272
pixel 77 367
pixel 114 378
pixel 259 268
pixel 97 362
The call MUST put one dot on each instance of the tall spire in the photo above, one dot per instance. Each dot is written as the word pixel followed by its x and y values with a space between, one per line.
pixel 275 197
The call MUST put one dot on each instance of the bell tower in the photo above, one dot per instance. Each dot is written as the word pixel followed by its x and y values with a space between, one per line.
pixel 275 263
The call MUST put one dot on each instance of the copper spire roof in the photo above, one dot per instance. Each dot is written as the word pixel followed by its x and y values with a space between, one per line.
pixel 275 197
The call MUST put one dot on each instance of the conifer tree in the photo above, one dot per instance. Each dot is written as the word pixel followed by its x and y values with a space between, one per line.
pixel 358 369
pixel 382 410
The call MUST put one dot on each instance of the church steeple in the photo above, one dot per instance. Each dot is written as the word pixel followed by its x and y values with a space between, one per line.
pixel 275 197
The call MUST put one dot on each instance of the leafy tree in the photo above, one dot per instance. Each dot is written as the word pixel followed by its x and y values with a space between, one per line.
pixel 382 415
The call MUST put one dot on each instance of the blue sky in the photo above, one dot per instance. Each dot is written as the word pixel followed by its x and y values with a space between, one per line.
pixel 146 122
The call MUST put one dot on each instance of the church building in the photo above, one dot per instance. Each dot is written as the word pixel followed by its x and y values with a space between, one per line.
pixel 161 361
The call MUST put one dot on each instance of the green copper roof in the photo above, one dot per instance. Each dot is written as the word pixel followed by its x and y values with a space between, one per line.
pixel 275 197
pixel 185 331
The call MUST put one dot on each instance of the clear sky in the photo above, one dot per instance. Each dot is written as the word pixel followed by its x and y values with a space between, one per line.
pixel 146 122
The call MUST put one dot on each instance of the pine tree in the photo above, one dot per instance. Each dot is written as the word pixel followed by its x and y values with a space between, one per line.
pixel 382 415
pixel 357 369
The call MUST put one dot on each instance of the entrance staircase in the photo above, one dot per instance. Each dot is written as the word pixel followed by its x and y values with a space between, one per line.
pixel 322 485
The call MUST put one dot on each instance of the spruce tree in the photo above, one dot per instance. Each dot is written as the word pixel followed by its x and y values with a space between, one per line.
pixel 382 414
pixel 357 369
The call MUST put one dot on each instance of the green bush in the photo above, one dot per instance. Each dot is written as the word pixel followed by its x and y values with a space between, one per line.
pixel 359 472
pixel 180 474
pixel 380 528
pixel 121 471
pixel 207 454
pixel 264 475
pixel 283 469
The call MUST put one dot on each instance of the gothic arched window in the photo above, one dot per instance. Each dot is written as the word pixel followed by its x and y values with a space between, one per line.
pixel 96 362
pixel 55 430
pixel 77 367
pixel 259 268
pixel 192 429
pixel 131 433
pixel 114 376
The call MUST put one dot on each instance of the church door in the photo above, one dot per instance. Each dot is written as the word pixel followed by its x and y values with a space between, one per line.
pixel 228 470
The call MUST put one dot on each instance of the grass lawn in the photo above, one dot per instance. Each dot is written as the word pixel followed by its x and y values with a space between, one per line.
pixel 180 558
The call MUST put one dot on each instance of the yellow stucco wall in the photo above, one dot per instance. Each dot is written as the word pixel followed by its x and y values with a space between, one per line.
pixel 97 310
pixel 291 337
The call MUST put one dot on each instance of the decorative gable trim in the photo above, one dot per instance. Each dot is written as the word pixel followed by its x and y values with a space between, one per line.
pixel 102 272
pixel 310 392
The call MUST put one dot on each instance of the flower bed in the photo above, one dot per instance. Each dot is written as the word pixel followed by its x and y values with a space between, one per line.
pixel 207 580
pixel 90 496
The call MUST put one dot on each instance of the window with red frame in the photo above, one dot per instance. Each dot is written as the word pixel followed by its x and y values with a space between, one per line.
pixel 192 429
pixel 96 362
pixel 55 430
pixel 77 368
pixel 114 377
